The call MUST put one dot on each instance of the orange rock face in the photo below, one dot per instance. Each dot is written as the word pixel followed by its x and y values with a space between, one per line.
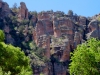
pixel 43 28
pixel 66 53
pixel 59 28
pixel 41 32
pixel 63 26
pixel 40 29
pixel 56 27
pixel 49 27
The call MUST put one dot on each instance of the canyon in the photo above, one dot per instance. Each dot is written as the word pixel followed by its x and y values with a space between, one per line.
pixel 56 32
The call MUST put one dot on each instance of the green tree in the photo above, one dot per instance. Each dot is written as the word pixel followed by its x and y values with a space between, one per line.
pixel 85 60
pixel 4 73
pixel 13 60
pixel 70 12
pixel 2 36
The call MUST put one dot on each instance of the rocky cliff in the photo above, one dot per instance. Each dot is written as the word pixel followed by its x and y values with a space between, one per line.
pixel 56 33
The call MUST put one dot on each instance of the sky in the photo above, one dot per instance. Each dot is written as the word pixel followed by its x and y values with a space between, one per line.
pixel 86 8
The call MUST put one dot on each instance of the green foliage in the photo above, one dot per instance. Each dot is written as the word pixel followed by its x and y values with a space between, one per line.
pixel 23 72
pixel 4 73
pixel 25 44
pixel 98 18
pixel 37 50
pixel 41 74
pixel 2 36
pixel 13 19
pixel 37 55
pixel 12 59
pixel 86 59
pixel 58 15
pixel 33 13
pixel 25 22
pixel 35 60
pixel 32 45
pixel 21 28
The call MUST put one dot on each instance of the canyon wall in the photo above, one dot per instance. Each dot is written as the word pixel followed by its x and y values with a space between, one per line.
pixel 57 33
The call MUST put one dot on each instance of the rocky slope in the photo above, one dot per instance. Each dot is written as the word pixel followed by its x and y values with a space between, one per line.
pixel 56 33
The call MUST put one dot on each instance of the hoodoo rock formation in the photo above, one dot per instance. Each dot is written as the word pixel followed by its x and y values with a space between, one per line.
pixel 23 11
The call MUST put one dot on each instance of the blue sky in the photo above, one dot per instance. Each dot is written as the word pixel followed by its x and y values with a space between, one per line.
pixel 80 7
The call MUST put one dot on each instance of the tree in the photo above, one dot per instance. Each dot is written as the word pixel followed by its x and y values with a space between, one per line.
pixel 85 60
pixel 12 59
pixel 70 12
pixel 15 6
pixel 2 36
pixel 4 73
